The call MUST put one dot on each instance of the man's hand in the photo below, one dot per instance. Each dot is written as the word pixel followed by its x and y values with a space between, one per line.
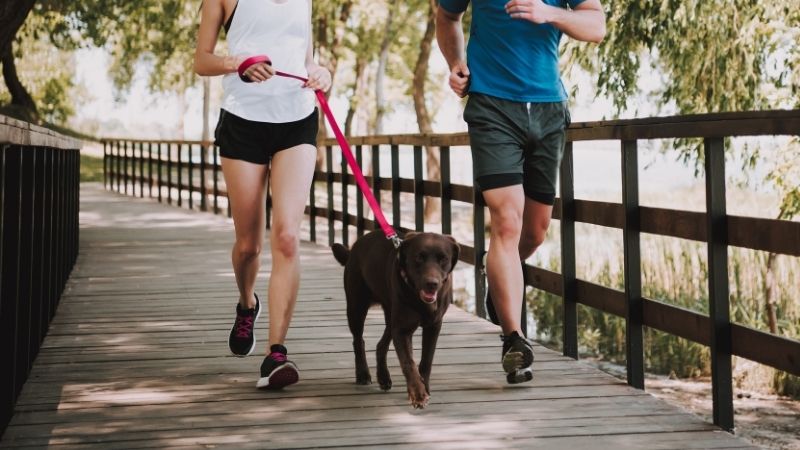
pixel 318 78
pixel 534 11
pixel 459 78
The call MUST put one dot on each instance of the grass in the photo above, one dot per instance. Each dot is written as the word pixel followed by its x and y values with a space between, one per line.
pixel 91 168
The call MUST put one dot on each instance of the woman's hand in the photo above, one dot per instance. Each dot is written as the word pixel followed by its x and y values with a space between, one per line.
pixel 257 72
pixel 318 78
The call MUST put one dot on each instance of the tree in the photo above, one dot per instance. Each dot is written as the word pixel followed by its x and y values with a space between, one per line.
pixel 716 55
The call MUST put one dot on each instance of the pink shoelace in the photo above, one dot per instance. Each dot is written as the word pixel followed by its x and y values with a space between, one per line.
pixel 244 326
pixel 277 356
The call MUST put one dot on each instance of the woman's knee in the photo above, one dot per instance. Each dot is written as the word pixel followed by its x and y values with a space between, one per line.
pixel 248 248
pixel 285 241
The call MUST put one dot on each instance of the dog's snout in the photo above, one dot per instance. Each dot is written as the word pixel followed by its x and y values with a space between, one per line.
pixel 431 285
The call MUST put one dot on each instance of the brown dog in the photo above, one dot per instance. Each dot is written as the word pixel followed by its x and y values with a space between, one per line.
pixel 413 286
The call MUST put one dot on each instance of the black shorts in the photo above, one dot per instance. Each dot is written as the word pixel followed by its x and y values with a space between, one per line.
pixel 257 142
pixel 517 143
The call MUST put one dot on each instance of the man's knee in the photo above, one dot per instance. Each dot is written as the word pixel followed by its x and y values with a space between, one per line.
pixel 530 240
pixel 506 223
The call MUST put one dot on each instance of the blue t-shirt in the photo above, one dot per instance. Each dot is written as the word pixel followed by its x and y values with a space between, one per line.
pixel 512 59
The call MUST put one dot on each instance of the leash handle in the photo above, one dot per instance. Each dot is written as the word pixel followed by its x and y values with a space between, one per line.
pixel 387 229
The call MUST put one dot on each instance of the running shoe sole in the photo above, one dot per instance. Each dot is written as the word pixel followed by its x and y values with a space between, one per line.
pixel 252 347
pixel 517 365
pixel 280 378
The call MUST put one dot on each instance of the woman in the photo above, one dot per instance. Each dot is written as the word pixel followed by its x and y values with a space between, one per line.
pixel 267 127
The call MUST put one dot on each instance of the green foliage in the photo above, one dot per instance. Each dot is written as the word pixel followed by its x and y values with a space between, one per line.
pixel 675 272
pixel 91 168
pixel 47 72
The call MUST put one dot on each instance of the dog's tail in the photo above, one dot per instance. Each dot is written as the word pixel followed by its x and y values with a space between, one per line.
pixel 341 253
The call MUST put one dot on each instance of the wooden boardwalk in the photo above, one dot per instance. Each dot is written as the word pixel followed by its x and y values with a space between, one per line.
pixel 137 358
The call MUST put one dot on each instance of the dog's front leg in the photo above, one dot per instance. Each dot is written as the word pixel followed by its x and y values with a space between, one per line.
pixel 417 394
pixel 430 335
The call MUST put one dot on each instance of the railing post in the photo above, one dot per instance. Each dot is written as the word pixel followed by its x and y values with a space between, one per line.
pixel 359 196
pixel 329 182
pixel 479 239
pixel 11 156
pixel 395 186
pixel 159 164
pixel 150 169
pixel 446 190
pixel 189 164
pixel 268 205
pixel 118 171
pixel 376 178
pixel 419 191
pixel 215 153
pixel 169 173
pixel 312 208
pixel 632 268
pixel 345 207
pixel 141 169
pixel 203 158
pixel 718 298
pixel 105 165
pixel 124 167
pixel 568 271
pixel 180 176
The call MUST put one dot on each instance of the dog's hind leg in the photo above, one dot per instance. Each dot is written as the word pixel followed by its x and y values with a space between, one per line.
pixel 384 379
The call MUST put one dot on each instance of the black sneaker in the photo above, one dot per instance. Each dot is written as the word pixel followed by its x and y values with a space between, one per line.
pixel 517 358
pixel 277 371
pixel 242 339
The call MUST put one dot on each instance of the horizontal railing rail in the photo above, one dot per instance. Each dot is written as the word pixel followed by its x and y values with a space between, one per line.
pixel 714 227
pixel 39 176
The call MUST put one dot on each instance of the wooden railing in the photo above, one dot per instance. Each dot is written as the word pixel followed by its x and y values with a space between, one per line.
pixel 715 227
pixel 38 243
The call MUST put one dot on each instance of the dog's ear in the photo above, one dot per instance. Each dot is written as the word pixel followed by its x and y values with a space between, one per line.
pixel 456 252
pixel 401 251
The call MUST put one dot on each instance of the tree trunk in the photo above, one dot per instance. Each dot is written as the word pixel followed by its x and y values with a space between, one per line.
pixel 383 60
pixel 19 95
pixel 432 205
pixel 328 56
pixel 12 15
pixel 355 100
pixel 769 293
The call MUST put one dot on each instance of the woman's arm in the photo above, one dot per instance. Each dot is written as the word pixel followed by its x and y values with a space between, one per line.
pixel 318 76
pixel 206 63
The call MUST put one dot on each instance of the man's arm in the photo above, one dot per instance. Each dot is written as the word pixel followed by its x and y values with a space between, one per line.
pixel 451 42
pixel 587 22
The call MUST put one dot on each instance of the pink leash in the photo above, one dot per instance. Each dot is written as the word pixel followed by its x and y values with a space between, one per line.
pixel 390 233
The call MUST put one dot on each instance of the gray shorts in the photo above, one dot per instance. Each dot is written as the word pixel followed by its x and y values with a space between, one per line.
pixel 517 143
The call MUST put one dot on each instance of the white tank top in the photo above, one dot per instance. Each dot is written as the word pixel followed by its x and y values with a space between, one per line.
pixel 280 31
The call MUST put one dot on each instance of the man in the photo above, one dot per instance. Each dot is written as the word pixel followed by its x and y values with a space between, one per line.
pixel 517 118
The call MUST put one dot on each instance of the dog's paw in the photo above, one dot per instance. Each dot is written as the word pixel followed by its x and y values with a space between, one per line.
pixel 418 397
pixel 363 379
pixel 386 385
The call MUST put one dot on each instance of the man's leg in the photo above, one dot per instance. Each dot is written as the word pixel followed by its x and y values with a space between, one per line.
pixel 535 221
pixel 503 271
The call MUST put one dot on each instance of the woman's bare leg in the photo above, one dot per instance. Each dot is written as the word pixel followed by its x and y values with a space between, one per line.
pixel 292 171
pixel 246 185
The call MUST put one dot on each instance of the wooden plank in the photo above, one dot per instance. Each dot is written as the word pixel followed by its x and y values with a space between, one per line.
pixel 137 358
